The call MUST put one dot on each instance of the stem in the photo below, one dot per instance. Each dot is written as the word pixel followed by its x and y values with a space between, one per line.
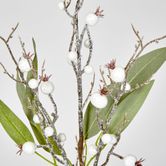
pixel 91 159
pixel 41 156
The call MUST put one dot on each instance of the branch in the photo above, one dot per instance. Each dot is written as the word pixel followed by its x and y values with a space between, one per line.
pixel 10 51
pixel 90 91
pixel 140 46
pixel 110 152
pixel 10 75
pixel 140 39
pixel 55 114
pixel 11 34
pixel 99 149
pixel 90 47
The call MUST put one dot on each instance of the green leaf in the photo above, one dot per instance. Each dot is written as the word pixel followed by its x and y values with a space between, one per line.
pixel 33 73
pixel 15 128
pixel 128 108
pixel 145 66
pixel 141 71
pixel 90 120
pixel 26 97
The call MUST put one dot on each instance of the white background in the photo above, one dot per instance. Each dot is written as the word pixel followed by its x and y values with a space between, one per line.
pixel 113 38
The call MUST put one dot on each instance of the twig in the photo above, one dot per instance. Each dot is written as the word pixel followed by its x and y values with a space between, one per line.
pixel 90 91
pixel 10 75
pixel 103 78
pixel 110 152
pixel 12 32
pixel 66 10
pixel 54 104
pixel 99 149
pixel 138 36
pixel 10 51
pixel 117 155
pixel 90 47
pixel 142 47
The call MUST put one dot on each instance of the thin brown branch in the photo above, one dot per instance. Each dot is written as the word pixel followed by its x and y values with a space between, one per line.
pixel 138 36
pixel 10 75
pixel 12 32
pixel 142 47
pixel 11 53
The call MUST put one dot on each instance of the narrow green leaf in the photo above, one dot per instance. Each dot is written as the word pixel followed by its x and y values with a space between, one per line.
pixel 33 73
pixel 145 66
pixel 26 97
pixel 15 128
pixel 128 108
pixel 141 71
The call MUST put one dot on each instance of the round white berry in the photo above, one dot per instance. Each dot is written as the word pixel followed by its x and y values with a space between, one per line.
pixel 47 87
pixel 92 19
pixel 72 56
pixel 29 147
pixel 130 160
pixel 33 83
pixel 87 43
pixel 118 74
pixel 109 139
pixel 37 118
pixel 88 69
pixel 99 101
pixel 61 137
pixel 61 5
pixel 23 65
pixel 92 149
pixel 127 87
pixel 49 131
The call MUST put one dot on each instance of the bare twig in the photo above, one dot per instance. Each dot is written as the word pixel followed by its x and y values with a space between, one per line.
pixel 12 32
pixel 102 76
pixel 110 152
pixel 140 39
pixel 90 91
pixel 10 75
pixel 140 46
pixel 6 41
pixel 54 104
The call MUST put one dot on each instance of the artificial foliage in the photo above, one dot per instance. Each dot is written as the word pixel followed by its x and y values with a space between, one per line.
pixel 106 112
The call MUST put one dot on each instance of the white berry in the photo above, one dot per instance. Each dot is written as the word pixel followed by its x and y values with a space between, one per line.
pixel 92 149
pixel 130 160
pixel 33 83
pixel 61 5
pixel 29 147
pixel 127 87
pixel 118 74
pixel 49 131
pixel 87 43
pixel 47 87
pixel 109 139
pixel 61 137
pixel 23 65
pixel 92 19
pixel 88 69
pixel 37 118
pixel 99 101
pixel 72 56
